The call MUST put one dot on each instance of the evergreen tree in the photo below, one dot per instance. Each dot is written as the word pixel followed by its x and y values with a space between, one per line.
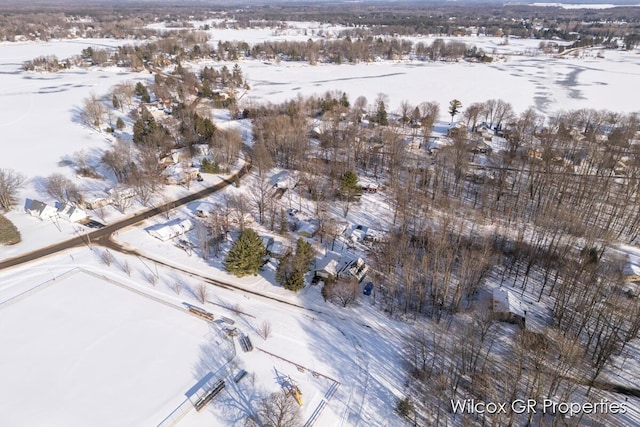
pixel 288 275
pixel 349 185
pixel 344 101
pixel 292 267
pixel 142 92
pixel 304 253
pixel 246 255
pixel 120 123
pixel 381 114
pixel 454 108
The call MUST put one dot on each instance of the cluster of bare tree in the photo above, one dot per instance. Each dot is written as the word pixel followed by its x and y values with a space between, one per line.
pixel 35 22
pixel 469 360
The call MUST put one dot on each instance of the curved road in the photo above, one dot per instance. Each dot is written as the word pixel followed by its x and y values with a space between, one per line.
pixel 105 232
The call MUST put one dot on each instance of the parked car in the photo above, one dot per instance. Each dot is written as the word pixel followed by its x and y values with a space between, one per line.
pixel 368 288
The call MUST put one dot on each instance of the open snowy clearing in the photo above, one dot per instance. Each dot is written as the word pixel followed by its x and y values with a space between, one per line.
pixel 88 352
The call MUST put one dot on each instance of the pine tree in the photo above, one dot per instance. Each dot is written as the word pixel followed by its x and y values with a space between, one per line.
pixel 292 267
pixel 246 255
pixel 349 183
pixel 288 275
pixel 454 108
pixel 304 253
pixel 142 92
pixel 120 123
pixel 381 114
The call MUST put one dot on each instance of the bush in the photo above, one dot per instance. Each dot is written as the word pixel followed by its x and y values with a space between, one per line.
pixel 9 234
pixel 209 167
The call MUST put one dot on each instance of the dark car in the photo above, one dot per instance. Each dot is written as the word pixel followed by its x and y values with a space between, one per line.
pixel 368 288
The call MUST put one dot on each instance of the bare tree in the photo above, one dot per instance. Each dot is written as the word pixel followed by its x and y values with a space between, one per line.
pixel 264 329
pixel 124 92
pixel 176 286
pixel 122 201
pixel 106 257
pixel 62 188
pixel 118 159
pixel 126 268
pixel 202 236
pixel 202 292
pixel 279 410
pixel 343 292
pixel 260 193
pixel 10 183
pixel 93 111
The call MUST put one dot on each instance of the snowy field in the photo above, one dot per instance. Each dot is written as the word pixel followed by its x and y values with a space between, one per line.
pixel 88 352
pixel 128 354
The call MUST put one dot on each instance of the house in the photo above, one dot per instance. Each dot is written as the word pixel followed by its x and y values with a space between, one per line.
pixel 631 270
pixel 506 307
pixel 176 174
pixel 171 230
pixel 334 266
pixel 358 233
pixel 375 236
pixel 277 249
pixel 121 193
pixel 328 267
pixel 307 228
pixel 97 201
pixel 368 186
pixel 40 210
pixel 356 269
pixel 285 180
pixel 71 213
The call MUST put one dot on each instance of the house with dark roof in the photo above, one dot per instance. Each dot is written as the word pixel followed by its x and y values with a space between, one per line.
pixel 41 210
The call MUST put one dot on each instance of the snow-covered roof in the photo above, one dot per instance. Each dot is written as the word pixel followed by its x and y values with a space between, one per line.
pixel 204 208
pixel 307 228
pixel 41 210
pixel 329 264
pixel 505 302
pixel 71 213
pixel 171 230
pixel 632 267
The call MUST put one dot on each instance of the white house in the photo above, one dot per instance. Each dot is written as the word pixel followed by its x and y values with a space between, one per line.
pixel 356 268
pixel 41 210
pixel 171 230
pixel 333 265
pixel 71 213
pixel 507 307
pixel 329 266
pixel 96 201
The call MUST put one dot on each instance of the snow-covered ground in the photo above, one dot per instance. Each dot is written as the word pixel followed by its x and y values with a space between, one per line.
pixel 97 346
pixel 83 345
